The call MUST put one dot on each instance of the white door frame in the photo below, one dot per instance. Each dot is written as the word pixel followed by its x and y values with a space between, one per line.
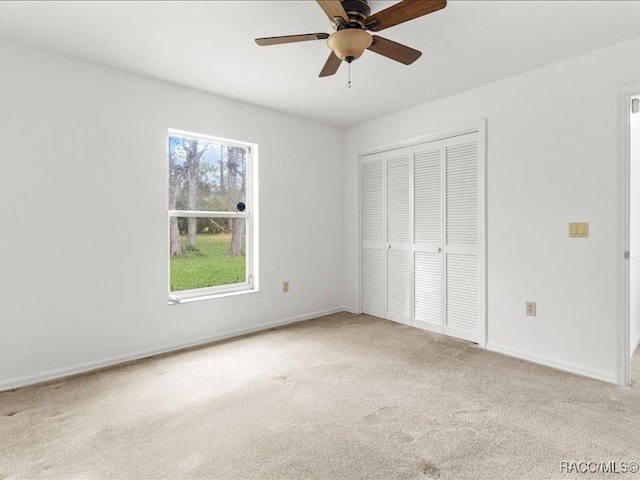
pixel 479 126
pixel 623 360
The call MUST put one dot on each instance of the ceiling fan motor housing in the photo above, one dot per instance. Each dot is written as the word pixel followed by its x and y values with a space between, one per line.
pixel 358 11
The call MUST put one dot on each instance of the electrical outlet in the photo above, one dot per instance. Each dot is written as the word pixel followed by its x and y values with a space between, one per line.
pixel 285 286
pixel 531 309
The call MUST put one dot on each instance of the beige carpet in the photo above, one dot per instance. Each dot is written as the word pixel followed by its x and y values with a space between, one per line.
pixel 341 397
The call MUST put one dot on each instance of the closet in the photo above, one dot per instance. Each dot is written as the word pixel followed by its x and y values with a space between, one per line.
pixel 421 232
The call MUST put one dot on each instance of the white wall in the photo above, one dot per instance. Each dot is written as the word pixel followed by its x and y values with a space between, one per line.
pixel 83 196
pixel 634 230
pixel 551 159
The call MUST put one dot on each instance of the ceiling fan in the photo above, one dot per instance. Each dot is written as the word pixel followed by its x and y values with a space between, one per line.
pixel 351 19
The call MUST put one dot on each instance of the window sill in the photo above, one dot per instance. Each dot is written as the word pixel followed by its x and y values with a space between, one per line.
pixel 212 296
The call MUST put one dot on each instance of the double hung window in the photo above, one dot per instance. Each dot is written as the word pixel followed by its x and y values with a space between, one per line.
pixel 211 230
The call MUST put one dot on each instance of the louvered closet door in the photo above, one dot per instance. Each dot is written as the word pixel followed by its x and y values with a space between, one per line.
pixel 399 227
pixel 428 236
pixel 420 231
pixel 373 236
pixel 461 248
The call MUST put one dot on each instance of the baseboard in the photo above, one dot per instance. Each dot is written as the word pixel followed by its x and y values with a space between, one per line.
pixel 554 363
pixel 58 373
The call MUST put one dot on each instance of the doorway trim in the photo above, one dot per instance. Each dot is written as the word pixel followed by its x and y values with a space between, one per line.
pixel 623 360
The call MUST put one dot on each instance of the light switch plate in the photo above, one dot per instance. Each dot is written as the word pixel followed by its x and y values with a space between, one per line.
pixel 578 229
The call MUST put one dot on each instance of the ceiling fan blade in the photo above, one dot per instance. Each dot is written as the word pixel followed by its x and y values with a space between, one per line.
pixel 402 12
pixel 291 38
pixel 393 50
pixel 333 9
pixel 331 65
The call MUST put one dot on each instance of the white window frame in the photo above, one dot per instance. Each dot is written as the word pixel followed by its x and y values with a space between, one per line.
pixel 250 284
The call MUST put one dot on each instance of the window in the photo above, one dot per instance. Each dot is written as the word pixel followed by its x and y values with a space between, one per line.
pixel 211 216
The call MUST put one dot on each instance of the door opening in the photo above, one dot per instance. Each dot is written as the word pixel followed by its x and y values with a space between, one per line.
pixel 628 254
pixel 634 223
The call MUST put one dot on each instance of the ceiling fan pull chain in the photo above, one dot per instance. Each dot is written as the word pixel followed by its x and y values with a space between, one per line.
pixel 349 75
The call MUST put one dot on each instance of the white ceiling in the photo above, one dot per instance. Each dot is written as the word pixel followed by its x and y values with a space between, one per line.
pixel 210 46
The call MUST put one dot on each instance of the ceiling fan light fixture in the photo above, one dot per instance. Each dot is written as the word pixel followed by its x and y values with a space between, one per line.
pixel 349 43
